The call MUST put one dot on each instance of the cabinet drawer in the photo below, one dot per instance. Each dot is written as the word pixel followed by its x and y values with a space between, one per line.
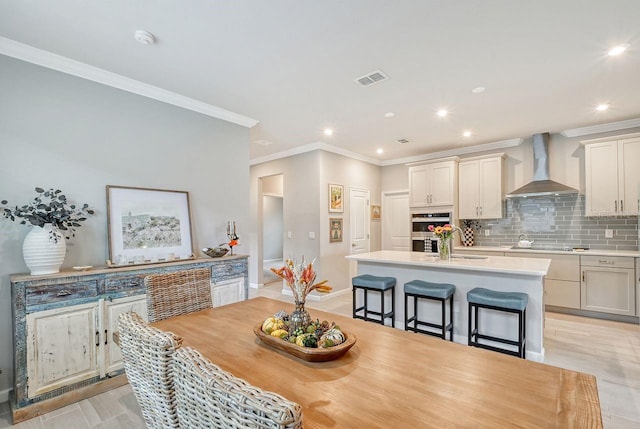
pixel 607 261
pixel 47 294
pixel 124 283
pixel 225 271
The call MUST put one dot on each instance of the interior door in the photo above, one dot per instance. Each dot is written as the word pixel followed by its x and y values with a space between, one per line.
pixel 396 224
pixel 359 220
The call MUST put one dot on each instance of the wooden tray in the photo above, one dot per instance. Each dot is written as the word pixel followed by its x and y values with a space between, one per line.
pixel 306 353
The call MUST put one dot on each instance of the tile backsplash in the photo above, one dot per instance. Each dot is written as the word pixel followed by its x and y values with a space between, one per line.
pixel 557 220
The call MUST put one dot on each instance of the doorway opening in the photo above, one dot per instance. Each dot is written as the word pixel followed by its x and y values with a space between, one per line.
pixel 272 228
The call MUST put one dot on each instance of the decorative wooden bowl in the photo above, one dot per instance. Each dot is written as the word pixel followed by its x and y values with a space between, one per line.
pixel 215 252
pixel 306 353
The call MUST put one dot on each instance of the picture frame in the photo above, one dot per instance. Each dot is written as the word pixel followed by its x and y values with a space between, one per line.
pixel 335 230
pixel 336 198
pixel 148 225
pixel 375 212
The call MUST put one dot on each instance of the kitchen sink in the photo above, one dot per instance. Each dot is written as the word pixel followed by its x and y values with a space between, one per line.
pixel 468 257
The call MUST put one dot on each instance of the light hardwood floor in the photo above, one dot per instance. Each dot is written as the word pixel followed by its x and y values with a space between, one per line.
pixel 609 350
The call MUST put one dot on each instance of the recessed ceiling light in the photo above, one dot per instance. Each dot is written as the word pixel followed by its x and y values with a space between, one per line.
pixel 467 134
pixel 602 107
pixel 617 50
pixel 479 90
pixel 379 151
pixel 442 113
pixel 389 115
pixel 144 37
pixel 328 132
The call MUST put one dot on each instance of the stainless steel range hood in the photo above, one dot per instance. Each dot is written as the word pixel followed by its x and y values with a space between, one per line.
pixel 541 184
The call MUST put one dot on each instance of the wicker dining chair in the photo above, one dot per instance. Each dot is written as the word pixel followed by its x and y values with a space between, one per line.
pixel 174 294
pixel 148 362
pixel 209 397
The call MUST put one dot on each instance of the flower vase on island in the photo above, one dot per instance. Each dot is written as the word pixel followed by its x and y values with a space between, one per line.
pixel 444 234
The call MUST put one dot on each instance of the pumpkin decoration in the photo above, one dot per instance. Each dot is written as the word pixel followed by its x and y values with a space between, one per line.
pixel 332 337
pixel 271 324
pixel 280 333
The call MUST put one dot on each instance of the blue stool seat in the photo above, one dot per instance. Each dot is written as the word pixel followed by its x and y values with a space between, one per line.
pixel 510 302
pixel 429 290
pixel 419 289
pixel 373 282
pixel 370 283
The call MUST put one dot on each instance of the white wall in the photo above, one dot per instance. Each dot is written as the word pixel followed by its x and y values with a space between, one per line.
pixel 61 131
pixel 272 228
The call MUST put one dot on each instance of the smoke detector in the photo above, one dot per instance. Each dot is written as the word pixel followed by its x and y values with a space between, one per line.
pixel 144 37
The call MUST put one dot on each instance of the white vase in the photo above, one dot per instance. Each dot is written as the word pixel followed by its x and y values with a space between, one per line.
pixel 42 253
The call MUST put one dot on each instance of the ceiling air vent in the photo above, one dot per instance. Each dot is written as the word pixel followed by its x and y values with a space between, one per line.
pixel 403 141
pixel 372 78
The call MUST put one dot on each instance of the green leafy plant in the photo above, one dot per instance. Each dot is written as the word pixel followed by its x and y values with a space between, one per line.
pixel 49 206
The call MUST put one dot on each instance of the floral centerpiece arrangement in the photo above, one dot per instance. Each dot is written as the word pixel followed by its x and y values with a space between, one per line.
pixel 444 234
pixel 297 327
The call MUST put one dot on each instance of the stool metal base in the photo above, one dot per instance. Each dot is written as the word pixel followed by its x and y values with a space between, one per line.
pixel 381 314
pixel 474 334
pixel 444 328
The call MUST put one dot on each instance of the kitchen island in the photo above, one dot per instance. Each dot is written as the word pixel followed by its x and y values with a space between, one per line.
pixel 492 272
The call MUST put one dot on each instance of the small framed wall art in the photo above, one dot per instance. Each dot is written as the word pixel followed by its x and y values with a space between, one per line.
pixel 148 225
pixel 335 229
pixel 375 212
pixel 336 198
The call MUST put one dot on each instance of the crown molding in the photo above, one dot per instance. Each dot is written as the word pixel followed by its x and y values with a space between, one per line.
pixel 27 53
pixel 456 152
pixel 337 150
pixel 602 128
pixel 310 148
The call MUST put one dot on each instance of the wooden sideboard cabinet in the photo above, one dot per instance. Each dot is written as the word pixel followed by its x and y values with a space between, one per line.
pixel 64 324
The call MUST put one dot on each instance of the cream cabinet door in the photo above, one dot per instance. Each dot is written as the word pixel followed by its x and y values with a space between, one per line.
pixel 490 188
pixel 113 309
pixel 601 174
pixel 442 184
pixel 629 176
pixel 61 347
pixel 468 195
pixel 609 290
pixel 227 291
pixel 418 186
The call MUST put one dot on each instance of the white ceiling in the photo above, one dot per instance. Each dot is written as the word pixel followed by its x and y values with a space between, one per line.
pixel 291 64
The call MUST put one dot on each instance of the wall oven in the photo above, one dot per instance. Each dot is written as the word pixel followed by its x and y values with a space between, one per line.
pixel 423 240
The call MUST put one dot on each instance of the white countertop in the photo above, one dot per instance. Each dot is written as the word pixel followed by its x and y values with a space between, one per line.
pixel 494 264
pixel 508 249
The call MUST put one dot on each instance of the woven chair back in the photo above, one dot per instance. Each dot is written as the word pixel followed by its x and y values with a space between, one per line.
pixel 174 294
pixel 148 363
pixel 209 397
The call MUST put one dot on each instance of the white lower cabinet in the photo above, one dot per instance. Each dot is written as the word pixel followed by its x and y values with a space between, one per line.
pixel 113 309
pixel 71 344
pixel 61 347
pixel 227 291
pixel 609 290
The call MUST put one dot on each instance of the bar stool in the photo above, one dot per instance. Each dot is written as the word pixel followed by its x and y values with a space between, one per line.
pixel 368 283
pixel 510 302
pixel 440 292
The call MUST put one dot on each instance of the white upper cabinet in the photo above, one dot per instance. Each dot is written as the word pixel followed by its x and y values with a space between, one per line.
pixel 433 184
pixel 481 188
pixel 612 177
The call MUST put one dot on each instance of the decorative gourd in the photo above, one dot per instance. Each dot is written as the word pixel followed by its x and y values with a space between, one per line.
pixel 280 333
pixel 271 324
pixel 332 337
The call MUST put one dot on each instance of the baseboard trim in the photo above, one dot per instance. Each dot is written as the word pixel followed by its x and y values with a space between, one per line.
pixel 256 285
pixel 4 395
pixel 317 296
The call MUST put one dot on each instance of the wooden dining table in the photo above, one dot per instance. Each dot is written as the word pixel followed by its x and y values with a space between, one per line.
pixel 393 378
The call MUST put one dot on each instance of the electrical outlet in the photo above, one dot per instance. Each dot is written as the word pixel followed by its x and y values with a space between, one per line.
pixel 312 235
pixel 289 234
pixel 487 233
pixel 608 233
